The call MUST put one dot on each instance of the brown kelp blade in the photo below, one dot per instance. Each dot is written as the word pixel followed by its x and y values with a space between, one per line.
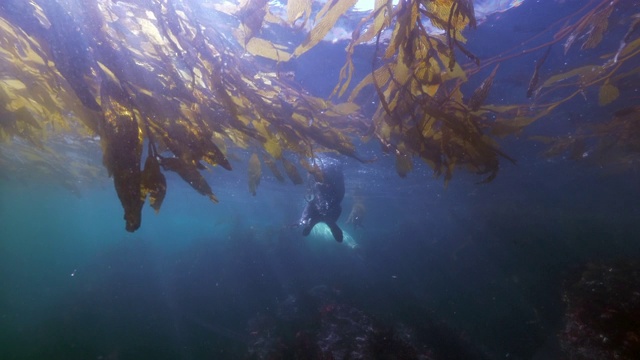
pixel 154 184
pixel 189 173
pixel 122 148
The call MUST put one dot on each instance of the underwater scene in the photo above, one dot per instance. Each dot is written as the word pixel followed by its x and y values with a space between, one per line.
pixel 311 179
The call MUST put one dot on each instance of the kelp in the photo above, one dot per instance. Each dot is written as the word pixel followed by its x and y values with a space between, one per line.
pixel 167 74
pixel 255 173
pixel 591 27
pixel 600 82
pixel 480 94
pixel 154 184
pixel 157 72
pixel 421 111
pixel 324 22
pixel 533 83
pixel 615 142
pixel 190 174
pixel 122 148
pixel 635 24
pixel 271 164
pixel 292 172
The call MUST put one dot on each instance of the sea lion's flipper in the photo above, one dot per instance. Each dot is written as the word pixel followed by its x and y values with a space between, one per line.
pixel 336 231
pixel 308 227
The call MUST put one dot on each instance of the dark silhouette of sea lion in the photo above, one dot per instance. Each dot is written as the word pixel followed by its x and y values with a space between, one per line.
pixel 326 193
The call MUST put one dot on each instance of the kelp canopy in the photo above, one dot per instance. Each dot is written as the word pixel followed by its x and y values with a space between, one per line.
pixel 184 81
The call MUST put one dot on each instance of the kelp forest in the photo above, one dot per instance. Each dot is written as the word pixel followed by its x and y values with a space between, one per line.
pixel 179 85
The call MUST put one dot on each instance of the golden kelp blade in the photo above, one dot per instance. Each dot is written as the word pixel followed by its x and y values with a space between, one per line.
pixel 271 143
pixel 607 94
pixel 255 173
pixel 261 47
pixel 325 20
pixel 380 15
pixel 453 13
pixel 297 9
pixel 584 75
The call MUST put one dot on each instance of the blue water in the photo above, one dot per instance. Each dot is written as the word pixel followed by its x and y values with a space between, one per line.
pixel 487 262
pixel 474 271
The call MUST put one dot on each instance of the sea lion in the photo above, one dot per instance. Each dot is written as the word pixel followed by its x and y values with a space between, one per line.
pixel 326 191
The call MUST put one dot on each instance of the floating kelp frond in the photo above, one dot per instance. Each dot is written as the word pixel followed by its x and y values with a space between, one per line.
pixel 153 72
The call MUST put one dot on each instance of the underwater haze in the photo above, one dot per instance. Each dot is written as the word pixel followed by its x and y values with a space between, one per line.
pixel 428 270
